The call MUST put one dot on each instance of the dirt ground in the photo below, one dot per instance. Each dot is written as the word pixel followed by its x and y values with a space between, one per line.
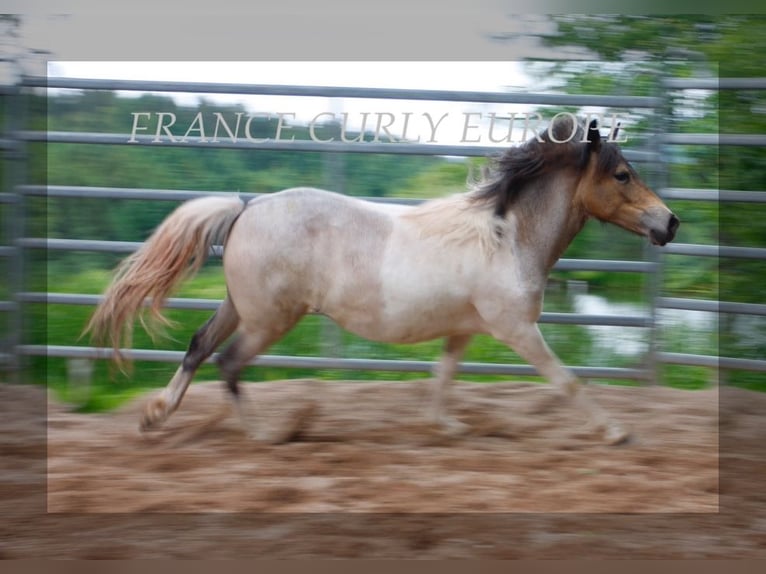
pixel 363 474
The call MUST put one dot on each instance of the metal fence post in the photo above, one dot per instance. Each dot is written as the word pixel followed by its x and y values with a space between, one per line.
pixel 654 280
pixel 333 176
pixel 653 254
pixel 13 223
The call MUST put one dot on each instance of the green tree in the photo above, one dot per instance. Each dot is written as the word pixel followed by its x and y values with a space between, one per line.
pixel 683 46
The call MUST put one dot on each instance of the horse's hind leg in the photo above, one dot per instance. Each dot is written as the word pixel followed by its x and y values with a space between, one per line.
pixel 203 343
pixel 249 342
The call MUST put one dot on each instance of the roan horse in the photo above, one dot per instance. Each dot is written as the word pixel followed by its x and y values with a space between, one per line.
pixel 476 262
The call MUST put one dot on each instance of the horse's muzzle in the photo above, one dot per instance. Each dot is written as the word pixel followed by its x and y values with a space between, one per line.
pixel 660 236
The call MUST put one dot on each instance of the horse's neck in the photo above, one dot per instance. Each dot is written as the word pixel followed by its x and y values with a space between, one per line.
pixel 548 220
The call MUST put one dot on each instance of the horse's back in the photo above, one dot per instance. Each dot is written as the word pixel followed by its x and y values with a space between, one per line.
pixel 315 215
pixel 312 204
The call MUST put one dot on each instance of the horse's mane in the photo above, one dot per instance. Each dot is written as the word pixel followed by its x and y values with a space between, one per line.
pixel 510 173
pixel 480 215
pixel 455 219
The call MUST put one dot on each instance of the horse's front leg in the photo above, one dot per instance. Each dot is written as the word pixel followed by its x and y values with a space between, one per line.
pixel 528 342
pixel 444 372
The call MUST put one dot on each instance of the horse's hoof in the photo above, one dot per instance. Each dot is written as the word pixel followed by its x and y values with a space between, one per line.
pixel 551 401
pixel 615 434
pixel 154 415
pixel 454 428
pixel 291 427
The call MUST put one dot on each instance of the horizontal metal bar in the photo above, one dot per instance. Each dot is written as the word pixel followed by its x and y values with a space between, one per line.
pixel 213 304
pixel 755 140
pixel 742 83
pixel 344 92
pixel 736 364
pixel 83 192
pixel 722 251
pixel 593 319
pixel 9 198
pixel 131 246
pixel 692 249
pixel 91 245
pixel 604 265
pixel 271 144
pixel 8 306
pixel 713 195
pixel 86 192
pixel 79 192
pixel 290 145
pixel 715 83
pixel 741 308
pixel 6 251
pixel 687 304
pixel 93 300
pixel 689 360
pixel 395 365
pixel 711 306
pixel 731 363
pixel 303 362
pixel 79 245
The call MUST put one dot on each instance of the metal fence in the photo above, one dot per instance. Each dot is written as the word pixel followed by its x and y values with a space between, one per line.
pixel 720 252
pixel 17 192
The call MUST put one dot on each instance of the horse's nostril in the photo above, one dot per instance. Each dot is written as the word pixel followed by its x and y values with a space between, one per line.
pixel 673 224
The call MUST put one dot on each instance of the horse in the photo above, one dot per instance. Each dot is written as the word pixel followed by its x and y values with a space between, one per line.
pixel 451 267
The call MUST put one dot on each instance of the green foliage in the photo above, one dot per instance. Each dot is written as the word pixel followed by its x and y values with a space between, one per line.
pixel 438 181
pixel 167 167
pixel 686 45
pixel 631 55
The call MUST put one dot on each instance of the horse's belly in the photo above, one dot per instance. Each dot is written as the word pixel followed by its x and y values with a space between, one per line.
pixel 409 320
pixel 418 294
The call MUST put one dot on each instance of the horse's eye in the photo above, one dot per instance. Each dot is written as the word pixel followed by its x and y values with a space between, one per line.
pixel 622 176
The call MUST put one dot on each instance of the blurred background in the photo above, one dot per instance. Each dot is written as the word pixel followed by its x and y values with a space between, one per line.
pixel 664 77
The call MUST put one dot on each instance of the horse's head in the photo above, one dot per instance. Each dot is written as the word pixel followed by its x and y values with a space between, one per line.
pixel 610 190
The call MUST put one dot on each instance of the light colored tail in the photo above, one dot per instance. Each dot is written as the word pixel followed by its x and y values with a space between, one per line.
pixel 175 251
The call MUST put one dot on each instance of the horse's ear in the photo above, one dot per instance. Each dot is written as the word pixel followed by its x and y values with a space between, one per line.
pixel 613 135
pixel 594 137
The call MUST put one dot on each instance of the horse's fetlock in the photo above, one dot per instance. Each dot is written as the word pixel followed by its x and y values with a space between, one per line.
pixel 571 387
pixel 155 412
pixel 615 434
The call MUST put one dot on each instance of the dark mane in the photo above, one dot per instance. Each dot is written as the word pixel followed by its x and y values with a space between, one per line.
pixel 511 172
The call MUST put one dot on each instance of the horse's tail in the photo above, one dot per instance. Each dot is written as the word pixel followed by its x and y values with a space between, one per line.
pixel 174 252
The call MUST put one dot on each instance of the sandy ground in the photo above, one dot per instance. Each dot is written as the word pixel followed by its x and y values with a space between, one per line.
pixel 363 474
